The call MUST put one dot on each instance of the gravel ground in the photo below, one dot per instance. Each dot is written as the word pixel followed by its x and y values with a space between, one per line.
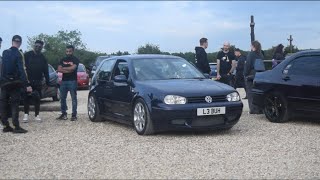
pixel 254 148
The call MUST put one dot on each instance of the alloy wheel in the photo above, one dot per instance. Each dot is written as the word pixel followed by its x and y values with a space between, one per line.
pixel 139 117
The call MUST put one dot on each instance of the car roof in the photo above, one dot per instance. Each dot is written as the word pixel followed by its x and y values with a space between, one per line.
pixel 145 56
pixel 306 52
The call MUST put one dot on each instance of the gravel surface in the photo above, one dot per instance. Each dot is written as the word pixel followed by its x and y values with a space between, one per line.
pixel 254 148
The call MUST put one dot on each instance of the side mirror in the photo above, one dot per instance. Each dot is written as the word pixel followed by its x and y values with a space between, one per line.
pixel 104 76
pixel 120 78
pixel 206 75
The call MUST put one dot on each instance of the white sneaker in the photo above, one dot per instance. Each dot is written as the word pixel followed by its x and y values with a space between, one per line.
pixel 37 118
pixel 25 118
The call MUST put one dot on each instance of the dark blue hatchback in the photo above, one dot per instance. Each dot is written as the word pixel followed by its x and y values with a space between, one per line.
pixel 159 93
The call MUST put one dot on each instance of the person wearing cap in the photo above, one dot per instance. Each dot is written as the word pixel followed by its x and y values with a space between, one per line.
pixel 13 78
pixel 37 69
pixel 226 62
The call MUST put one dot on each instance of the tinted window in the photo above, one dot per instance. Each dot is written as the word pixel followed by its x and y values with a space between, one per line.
pixel 107 66
pixel 51 70
pixel 163 69
pixel 81 68
pixel 121 69
pixel 305 66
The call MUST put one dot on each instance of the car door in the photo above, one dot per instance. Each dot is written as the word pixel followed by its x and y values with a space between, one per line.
pixel 302 76
pixel 103 85
pixel 53 80
pixel 122 94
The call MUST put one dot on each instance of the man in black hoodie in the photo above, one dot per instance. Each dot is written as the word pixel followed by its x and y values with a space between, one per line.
pixel 201 56
pixel 37 68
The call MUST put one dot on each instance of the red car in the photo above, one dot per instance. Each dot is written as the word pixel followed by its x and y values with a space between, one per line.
pixel 83 77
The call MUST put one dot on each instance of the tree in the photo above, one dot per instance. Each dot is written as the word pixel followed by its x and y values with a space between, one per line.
pixel 149 49
pixel 55 45
pixel 119 53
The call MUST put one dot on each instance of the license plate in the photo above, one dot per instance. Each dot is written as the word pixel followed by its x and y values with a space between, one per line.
pixel 211 111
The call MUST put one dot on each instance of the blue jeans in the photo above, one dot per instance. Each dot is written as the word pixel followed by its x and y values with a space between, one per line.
pixel 66 86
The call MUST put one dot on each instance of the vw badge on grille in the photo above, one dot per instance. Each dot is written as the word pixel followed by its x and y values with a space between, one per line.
pixel 208 99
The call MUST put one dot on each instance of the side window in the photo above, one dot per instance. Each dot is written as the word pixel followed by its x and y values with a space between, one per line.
pixel 107 65
pixel 121 69
pixel 106 69
pixel 304 66
pixel 50 68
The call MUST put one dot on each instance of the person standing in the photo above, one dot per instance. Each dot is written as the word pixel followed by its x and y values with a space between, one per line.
pixel 226 64
pixel 37 69
pixel 13 78
pixel 249 73
pixel 68 67
pixel 239 79
pixel 202 62
pixel 278 55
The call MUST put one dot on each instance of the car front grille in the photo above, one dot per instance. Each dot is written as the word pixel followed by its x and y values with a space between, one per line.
pixel 202 99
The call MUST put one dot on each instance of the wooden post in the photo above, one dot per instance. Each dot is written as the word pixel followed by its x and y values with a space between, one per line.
pixel 252 29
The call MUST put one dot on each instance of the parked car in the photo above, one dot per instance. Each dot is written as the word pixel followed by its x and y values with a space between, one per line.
pixel 96 63
pixel 159 93
pixel 291 89
pixel 82 77
pixel 213 67
pixel 52 90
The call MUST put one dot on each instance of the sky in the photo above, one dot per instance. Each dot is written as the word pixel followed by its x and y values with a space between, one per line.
pixel 176 26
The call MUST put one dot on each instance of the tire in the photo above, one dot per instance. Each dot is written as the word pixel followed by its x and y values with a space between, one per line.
pixel 93 109
pixel 276 108
pixel 57 96
pixel 142 122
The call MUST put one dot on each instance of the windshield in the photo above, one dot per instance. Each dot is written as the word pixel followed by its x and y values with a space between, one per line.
pixel 164 69
pixel 100 59
pixel 81 68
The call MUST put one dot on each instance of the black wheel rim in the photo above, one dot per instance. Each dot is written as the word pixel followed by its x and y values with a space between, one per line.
pixel 273 107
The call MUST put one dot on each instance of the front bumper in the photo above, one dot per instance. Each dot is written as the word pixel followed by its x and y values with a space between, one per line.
pixel 83 83
pixel 184 117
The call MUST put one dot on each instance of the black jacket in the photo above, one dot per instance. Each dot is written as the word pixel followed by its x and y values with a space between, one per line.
pixel 249 66
pixel 202 62
pixel 37 67
pixel 241 63
pixel 13 64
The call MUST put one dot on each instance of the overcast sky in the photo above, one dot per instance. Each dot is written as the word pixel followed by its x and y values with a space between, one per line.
pixel 176 26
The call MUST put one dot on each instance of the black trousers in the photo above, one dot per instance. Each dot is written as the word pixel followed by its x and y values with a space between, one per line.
pixel 10 98
pixel 226 79
pixel 34 98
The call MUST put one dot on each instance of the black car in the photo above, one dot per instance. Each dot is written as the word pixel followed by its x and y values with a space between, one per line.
pixel 159 93
pixel 290 89
pixel 53 90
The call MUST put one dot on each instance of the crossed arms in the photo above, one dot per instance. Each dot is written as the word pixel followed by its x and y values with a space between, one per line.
pixel 70 69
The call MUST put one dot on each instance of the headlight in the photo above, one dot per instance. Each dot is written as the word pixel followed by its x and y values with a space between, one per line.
pixel 172 99
pixel 233 97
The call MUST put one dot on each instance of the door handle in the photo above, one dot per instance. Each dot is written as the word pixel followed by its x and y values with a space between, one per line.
pixel 286 78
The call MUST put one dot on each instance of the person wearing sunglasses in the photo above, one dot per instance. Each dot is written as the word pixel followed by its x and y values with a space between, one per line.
pixel 37 69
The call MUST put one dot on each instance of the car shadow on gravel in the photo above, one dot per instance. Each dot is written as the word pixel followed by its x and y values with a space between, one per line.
pixel 310 121
pixel 230 132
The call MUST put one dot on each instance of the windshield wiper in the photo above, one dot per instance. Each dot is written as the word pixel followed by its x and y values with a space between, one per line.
pixel 198 78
